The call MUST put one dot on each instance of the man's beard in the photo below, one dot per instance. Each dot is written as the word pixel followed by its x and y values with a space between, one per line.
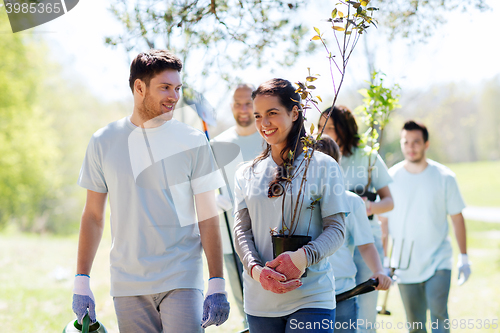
pixel 246 123
pixel 417 159
pixel 151 112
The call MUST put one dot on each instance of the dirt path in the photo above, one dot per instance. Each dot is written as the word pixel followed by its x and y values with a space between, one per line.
pixel 485 214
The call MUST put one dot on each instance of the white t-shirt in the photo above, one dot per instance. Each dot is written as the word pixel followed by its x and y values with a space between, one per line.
pixel 251 188
pixel 355 169
pixel 250 147
pixel 418 223
pixel 151 176
pixel 358 232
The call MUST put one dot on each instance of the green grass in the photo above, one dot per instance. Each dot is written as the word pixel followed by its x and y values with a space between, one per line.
pixel 479 182
pixel 32 300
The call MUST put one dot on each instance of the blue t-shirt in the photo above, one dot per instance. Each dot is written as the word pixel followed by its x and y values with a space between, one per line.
pixel 151 176
pixel 358 232
pixel 418 223
pixel 355 169
pixel 251 191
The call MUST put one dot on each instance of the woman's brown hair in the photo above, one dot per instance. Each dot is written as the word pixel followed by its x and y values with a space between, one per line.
pixel 345 128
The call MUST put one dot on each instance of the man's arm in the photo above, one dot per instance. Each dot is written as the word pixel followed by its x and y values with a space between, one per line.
pixel 460 232
pixel 464 269
pixel 206 210
pixel 91 228
pixel 215 307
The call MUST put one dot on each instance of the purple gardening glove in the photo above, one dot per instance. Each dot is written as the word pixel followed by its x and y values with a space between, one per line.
pixel 83 299
pixel 215 307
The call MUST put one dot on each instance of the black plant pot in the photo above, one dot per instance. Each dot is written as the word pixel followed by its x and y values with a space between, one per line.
pixel 289 243
pixel 371 196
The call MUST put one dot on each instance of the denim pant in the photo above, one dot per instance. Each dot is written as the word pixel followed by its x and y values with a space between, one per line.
pixel 431 294
pixel 367 303
pixel 346 315
pixel 175 311
pixel 311 320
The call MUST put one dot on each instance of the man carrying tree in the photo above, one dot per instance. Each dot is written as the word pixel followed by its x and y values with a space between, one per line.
pixel 156 170
pixel 425 193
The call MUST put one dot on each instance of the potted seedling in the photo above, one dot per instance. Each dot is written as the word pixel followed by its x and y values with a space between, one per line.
pixel 347 29
pixel 378 104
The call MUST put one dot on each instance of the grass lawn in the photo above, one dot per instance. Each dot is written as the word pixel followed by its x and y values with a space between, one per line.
pixel 36 278
pixel 479 182
pixel 36 272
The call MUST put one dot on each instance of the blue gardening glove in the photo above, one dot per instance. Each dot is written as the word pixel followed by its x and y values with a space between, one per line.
pixel 215 306
pixel 463 268
pixel 83 299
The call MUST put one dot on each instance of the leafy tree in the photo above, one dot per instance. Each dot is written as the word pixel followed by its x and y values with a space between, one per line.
pixel 419 19
pixel 27 147
pixel 221 35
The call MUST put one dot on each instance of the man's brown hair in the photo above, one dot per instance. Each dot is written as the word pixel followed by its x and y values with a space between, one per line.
pixel 151 63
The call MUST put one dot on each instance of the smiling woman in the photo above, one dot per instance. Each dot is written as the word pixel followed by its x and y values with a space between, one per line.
pixel 277 293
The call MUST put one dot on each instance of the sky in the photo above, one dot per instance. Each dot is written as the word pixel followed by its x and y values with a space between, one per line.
pixel 463 50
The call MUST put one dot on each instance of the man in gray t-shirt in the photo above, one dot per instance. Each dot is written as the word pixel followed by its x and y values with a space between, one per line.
pixel 156 171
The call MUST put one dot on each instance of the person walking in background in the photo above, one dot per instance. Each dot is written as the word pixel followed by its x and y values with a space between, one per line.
pixel 276 298
pixel 244 134
pixel 342 128
pixel 358 233
pixel 156 170
pixel 425 193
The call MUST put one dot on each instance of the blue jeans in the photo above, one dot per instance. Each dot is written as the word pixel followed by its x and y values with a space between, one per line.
pixel 174 311
pixel 368 302
pixel 431 294
pixel 309 320
pixel 346 315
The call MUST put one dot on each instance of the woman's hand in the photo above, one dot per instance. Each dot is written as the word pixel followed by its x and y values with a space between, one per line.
pixel 291 264
pixel 274 281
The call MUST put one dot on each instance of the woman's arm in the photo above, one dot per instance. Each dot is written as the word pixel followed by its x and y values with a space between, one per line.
pixel 384 205
pixel 329 241
pixel 244 242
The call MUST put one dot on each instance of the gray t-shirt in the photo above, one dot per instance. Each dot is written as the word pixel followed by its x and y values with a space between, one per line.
pixel 324 181
pixel 151 176
pixel 418 223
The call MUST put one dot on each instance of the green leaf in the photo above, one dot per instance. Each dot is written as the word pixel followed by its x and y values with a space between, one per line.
pixel 311 78
pixel 312 128
pixel 317 31
pixel 334 13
